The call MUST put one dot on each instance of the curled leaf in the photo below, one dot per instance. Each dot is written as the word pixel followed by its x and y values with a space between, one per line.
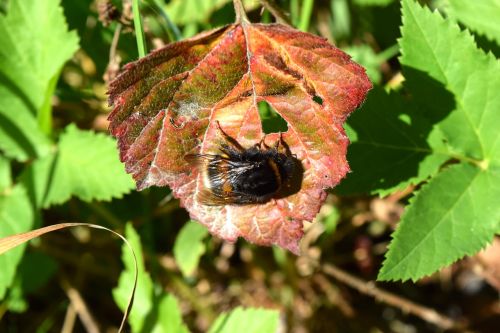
pixel 167 104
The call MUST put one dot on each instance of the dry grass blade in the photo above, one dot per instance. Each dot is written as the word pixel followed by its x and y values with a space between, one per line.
pixel 11 242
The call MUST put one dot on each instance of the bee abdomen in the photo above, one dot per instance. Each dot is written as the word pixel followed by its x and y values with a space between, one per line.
pixel 260 180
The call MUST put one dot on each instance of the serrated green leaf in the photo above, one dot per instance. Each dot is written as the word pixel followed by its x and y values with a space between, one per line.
pixel 160 314
pixel 480 16
pixel 455 214
pixel 35 45
pixel 392 146
pixel 249 320
pixel 86 165
pixel 16 216
pixel 189 247
pixel 457 82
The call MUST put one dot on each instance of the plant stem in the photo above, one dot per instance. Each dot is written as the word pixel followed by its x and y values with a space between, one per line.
pixel 173 31
pixel 277 12
pixel 388 53
pixel 294 12
pixel 305 14
pixel 139 31
pixel 241 16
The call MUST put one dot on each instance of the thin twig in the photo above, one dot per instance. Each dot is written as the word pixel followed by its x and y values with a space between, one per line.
pixel 80 307
pixel 333 295
pixel 114 60
pixel 277 12
pixel 114 42
pixel 369 288
pixel 69 320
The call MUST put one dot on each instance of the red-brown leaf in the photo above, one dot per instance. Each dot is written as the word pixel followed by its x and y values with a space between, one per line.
pixel 222 75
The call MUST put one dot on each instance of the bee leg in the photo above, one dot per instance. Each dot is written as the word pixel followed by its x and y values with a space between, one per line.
pixel 231 143
pixel 281 146
pixel 261 143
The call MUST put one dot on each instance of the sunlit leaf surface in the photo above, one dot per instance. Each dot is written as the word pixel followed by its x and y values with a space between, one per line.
pixel 166 106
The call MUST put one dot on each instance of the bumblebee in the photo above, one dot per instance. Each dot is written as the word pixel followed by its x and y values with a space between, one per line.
pixel 239 176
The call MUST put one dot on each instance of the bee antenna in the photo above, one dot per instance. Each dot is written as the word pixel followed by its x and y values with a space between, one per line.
pixel 230 141
pixel 217 123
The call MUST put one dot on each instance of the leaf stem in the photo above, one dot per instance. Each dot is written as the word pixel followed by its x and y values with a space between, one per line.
pixel 139 31
pixel 305 14
pixel 241 16
pixel 388 53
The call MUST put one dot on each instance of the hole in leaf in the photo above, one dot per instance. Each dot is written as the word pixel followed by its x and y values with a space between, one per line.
pixel 318 99
pixel 271 120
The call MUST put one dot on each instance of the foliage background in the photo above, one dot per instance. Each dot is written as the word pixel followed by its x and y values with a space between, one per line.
pixel 58 164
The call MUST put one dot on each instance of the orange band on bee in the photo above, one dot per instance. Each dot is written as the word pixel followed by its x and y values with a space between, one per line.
pixel 276 170
pixel 227 188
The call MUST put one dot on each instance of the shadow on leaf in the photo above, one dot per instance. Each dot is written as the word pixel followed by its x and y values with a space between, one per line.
pixel 395 141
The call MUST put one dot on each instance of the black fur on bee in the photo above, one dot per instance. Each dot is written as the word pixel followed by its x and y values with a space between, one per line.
pixel 239 176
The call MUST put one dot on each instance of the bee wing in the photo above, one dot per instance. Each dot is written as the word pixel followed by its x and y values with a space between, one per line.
pixel 206 195
pixel 209 198
pixel 212 192
pixel 199 159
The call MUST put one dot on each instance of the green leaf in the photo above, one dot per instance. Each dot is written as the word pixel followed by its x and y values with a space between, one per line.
pixel 5 173
pixel 250 320
pixel 169 316
pixel 189 247
pixel 16 216
pixel 34 271
pixel 455 214
pixel 20 136
pixel 35 45
pixel 86 165
pixel 341 20
pixel 149 313
pixel 393 146
pixel 365 56
pixel 144 293
pixel 480 16
pixel 456 82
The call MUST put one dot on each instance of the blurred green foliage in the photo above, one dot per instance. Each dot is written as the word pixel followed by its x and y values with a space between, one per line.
pixel 436 132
